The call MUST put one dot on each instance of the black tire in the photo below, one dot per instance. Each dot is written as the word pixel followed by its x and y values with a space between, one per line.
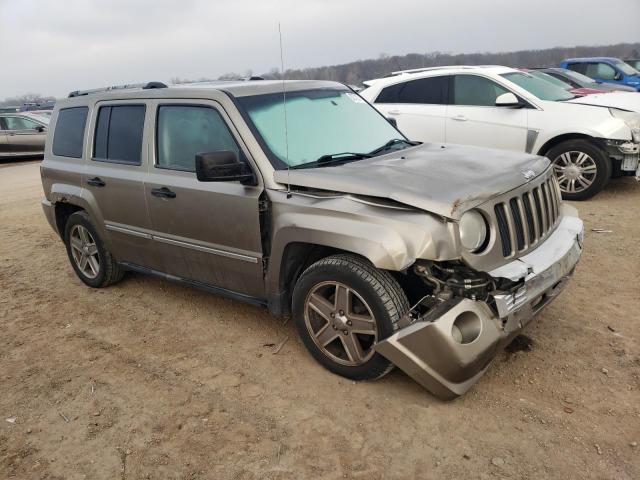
pixel 108 272
pixel 601 161
pixel 381 292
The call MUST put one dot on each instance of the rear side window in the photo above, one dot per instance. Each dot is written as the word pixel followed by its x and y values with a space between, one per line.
pixel 68 136
pixel 578 67
pixel 476 91
pixel 118 135
pixel 184 131
pixel 431 90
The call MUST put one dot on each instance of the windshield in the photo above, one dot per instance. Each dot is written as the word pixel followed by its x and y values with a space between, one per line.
pixel 320 122
pixel 542 89
pixel 626 68
pixel 548 78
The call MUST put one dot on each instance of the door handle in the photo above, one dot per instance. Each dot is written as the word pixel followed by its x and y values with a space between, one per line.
pixel 163 192
pixel 394 112
pixel 96 182
pixel 459 118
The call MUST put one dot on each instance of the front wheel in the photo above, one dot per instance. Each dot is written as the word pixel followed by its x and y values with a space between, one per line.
pixel 582 169
pixel 343 306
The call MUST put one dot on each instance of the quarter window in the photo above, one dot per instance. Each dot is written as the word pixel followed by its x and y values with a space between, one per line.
pixel 432 90
pixel 184 131
pixel 476 91
pixel 118 136
pixel 68 136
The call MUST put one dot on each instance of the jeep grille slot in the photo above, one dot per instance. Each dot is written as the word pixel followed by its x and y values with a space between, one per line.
pixel 525 219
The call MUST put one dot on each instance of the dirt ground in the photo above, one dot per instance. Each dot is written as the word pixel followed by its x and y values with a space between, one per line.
pixel 151 380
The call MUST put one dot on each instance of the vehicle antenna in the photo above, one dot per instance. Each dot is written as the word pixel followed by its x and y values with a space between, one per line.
pixel 284 109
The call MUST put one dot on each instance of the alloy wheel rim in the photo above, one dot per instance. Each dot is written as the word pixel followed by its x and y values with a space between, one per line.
pixel 575 171
pixel 84 251
pixel 340 323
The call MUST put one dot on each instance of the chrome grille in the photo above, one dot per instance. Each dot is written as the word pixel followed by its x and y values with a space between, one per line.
pixel 528 217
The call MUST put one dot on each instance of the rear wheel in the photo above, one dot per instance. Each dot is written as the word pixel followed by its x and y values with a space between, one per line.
pixel 343 306
pixel 582 169
pixel 90 259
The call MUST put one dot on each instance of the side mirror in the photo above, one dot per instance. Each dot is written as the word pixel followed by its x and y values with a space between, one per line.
pixel 392 121
pixel 40 128
pixel 223 166
pixel 508 100
pixel 617 77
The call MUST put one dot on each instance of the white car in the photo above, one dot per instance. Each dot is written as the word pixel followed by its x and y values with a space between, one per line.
pixel 499 107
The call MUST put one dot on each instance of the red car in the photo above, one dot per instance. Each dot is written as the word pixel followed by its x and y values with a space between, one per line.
pixel 580 92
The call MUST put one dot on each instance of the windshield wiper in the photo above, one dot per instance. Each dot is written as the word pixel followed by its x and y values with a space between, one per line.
pixel 332 158
pixel 390 144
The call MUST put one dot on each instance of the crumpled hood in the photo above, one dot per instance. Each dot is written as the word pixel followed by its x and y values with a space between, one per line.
pixel 623 100
pixel 442 179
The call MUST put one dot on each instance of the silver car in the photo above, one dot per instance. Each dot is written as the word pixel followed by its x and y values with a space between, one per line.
pixel 22 134
pixel 300 197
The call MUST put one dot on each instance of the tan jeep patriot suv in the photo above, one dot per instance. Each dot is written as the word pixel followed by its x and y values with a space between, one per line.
pixel 301 197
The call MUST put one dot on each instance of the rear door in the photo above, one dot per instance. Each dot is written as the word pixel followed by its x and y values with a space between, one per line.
pixel 208 232
pixel 25 136
pixel 114 179
pixel 419 107
pixel 474 119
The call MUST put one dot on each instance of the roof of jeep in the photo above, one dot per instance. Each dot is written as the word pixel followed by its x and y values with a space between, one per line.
pixel 235 88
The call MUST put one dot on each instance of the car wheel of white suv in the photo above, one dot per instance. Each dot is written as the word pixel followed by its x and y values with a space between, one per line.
pixel 582 169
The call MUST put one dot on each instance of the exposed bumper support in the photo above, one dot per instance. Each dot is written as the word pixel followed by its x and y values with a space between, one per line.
pixel 450 347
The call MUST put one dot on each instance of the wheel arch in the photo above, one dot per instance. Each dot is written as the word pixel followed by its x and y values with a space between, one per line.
pixel 558 139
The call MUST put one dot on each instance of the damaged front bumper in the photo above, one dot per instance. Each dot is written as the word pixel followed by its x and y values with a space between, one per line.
pixel 449 348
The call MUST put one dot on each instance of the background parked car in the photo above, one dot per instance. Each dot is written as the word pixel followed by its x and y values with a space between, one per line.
pixel 9 109
pixel 605 69
pixel 22 134
pixel 504 108
pixel 561 83
pixel 578 80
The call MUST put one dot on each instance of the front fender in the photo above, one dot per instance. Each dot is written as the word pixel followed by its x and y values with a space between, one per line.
pixel 390 238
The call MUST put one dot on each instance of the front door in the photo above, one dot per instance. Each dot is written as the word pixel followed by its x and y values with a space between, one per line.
pixel 474 119
pixel 208 232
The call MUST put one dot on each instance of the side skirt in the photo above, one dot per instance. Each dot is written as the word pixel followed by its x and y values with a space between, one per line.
pixel 223 292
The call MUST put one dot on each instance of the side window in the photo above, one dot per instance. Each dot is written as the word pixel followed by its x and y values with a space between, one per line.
pixel 184 131
pixel 476 91
pixel 578 67
pixel 19 123
pixel 118 136
pixel 431 90
pixel 68 136
pixel 602 70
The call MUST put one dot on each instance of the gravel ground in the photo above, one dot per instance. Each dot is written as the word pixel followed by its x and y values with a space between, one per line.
pixel 148 379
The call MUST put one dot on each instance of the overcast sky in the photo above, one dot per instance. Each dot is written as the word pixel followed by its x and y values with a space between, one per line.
pixel 54 46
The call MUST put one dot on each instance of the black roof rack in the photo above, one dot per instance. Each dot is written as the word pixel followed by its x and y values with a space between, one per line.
pixel 143 86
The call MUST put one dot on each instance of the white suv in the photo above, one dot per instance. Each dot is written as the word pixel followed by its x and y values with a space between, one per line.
pixel 499 107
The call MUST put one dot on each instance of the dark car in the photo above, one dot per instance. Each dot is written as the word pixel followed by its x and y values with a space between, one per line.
pixel 578 80
pixel 22 134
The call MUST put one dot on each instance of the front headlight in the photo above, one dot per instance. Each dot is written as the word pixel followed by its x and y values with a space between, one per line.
pixel 473 230
pixel 632 119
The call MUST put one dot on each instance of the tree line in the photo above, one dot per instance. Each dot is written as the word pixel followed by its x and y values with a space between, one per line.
pixel 354 73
